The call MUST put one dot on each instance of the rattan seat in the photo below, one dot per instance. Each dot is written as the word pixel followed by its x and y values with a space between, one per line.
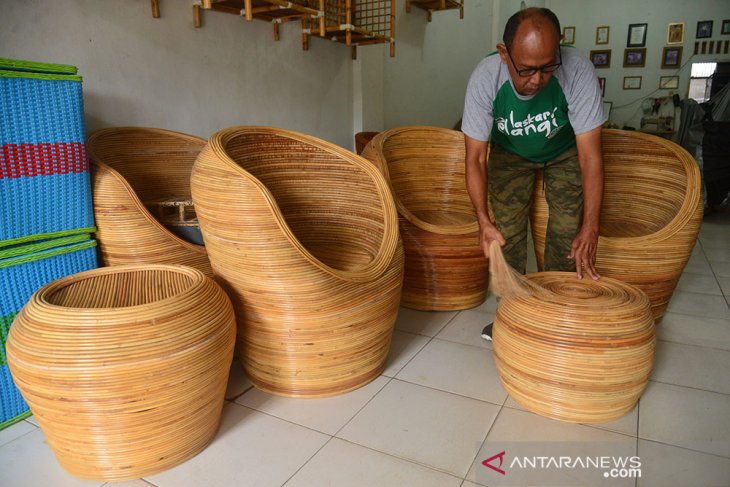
pixel 445 266
pixel 304 237
pixel 133 169
pixel 651 214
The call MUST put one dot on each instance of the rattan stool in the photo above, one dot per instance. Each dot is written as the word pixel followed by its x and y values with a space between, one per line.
pixel 125 368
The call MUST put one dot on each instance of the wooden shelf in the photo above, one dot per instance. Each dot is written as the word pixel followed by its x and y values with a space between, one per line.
pixel 274 11
pixel 431 6
pixel 357 23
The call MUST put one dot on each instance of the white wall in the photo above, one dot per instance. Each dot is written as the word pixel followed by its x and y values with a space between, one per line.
pixel 426 81
pixel 165 73
pixel 586 15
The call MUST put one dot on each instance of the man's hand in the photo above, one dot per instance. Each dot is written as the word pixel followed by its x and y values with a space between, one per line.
pixel 488 233
pixel 583 251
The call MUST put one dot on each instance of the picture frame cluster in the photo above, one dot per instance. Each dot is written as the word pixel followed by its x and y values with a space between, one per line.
pixel 635 53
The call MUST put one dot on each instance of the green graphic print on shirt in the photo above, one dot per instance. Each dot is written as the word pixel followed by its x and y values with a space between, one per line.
pixel 537 129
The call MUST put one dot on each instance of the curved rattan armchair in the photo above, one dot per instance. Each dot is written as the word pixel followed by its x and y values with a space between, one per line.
pixel 651 214
pixel 445 266
pixel 304 236
pixel 133 167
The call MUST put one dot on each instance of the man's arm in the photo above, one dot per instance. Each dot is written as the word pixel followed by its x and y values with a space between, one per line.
pixel 476 185
pixel 590 157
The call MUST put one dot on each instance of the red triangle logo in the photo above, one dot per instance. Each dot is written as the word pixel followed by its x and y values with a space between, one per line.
pixel 487 463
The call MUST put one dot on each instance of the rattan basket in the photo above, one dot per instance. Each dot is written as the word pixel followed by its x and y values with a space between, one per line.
pixel 304 236
pixel 583 352
pixel 134 168
pixel 445 266
pixel 652 211
pixel 125 368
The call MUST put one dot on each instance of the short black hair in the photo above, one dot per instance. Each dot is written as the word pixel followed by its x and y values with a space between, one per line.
pixel 514 22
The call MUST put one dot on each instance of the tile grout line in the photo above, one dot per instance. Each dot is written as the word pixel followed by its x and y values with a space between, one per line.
pixel 688 387
pixel 714 274
pixel 650 440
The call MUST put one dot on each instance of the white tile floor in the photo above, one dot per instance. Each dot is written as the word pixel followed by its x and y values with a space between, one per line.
pixel 439 410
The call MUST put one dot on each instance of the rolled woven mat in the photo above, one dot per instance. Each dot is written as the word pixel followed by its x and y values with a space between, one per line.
pixel 125 367
pixel 571 349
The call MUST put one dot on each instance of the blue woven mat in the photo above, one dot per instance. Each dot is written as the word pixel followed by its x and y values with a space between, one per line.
pixel 20 276
pixel 44 174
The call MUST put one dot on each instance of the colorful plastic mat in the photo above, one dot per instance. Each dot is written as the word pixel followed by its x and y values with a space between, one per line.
pixel 45 189
pixel 20 276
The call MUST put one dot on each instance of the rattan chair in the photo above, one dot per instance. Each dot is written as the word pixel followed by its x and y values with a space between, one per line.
pixel 445 265
pixel 651 214
pixel 133 169
pixel 304 236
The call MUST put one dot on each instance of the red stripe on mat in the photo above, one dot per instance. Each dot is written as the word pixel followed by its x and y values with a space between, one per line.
pixel 44 159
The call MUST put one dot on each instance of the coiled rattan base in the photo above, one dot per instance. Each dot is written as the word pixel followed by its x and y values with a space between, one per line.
pixel 575 350
pixel 125 368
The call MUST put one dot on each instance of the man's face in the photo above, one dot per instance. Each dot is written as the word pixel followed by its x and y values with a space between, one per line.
pixel 534 48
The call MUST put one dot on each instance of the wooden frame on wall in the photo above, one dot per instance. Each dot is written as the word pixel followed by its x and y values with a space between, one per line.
pixel 675 33
pixel 637 35
pixel 704 29
pixel 602 34
pixel 569 35
pixel 635 58
pixel 671 57
pixel 668 82
pixel 725 29
pixel 601 58
pixel 632 82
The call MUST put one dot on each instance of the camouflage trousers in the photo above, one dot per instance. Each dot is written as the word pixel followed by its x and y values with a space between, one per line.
pixel 511 179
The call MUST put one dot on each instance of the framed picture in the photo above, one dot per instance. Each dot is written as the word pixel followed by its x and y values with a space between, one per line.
pixel 569 35
pixel 601 59
pixel 602 85
pixel 668 82
pixel 637 35
pixel 607 105
pixel 632 82
pixel 704 29
pixel 635 58
pixel 675 33
pixel 671 57
pixel 602 33
pixel 725 29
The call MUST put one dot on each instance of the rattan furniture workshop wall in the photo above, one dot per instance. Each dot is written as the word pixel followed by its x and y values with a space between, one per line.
pixel 137 167
pixel 575 350
pixel 125 368
pixel 425 166
pixel 651 214
pixel 304 237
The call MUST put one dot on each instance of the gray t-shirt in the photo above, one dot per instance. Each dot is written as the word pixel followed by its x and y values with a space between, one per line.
pixel 540 126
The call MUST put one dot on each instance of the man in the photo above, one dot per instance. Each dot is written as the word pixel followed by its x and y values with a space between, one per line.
pixel 540 106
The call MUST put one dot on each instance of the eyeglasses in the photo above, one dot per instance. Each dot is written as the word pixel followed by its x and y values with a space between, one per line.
pixel 548 68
